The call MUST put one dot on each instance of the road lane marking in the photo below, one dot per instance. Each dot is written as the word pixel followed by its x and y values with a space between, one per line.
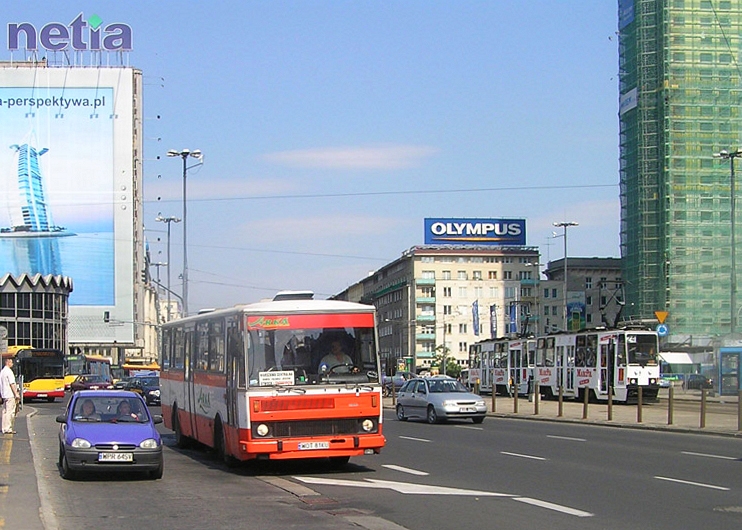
pixel 708 456
pixel 422 489
pixel 688 482
pixel 405 470
pixel 552 506
pixel 400 487
pixel 522 456
pixel 470 427
pixel 566 438
pixel 415 439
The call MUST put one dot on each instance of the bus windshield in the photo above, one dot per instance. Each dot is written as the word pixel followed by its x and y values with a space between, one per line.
pixel 311 356
pixel 642 349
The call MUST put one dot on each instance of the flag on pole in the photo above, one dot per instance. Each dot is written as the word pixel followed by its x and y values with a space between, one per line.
pixel 475 316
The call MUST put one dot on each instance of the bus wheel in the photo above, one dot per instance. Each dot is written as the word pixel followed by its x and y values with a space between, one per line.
pixel 220 445
pixel 180 440
pixel 338 462
pixel 50 399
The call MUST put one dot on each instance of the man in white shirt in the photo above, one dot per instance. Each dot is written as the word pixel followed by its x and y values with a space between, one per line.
pixel 10 396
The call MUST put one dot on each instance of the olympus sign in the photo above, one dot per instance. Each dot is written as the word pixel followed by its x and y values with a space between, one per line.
pixel 80 35
pixel 475 231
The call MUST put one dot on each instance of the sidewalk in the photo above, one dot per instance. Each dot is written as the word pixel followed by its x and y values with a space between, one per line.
pixel 20 506
pixel 721 412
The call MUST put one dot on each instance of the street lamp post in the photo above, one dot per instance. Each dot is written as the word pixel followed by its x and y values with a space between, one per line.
pixel 565 225
pixel 167 220
pixel 184 154
pixel 726 155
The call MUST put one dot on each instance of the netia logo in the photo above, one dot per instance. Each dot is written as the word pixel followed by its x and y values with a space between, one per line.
pixel 80 35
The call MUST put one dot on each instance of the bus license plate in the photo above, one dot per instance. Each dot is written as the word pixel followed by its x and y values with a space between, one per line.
pixel 41 395
pixel 115 457
pixel 303 446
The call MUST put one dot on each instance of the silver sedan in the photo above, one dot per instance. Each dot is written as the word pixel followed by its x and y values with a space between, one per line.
pixel 438 398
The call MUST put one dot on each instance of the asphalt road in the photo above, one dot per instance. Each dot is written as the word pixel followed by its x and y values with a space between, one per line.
pixel 503 473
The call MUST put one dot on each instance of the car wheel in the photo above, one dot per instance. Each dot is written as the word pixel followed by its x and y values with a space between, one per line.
pixel 386 392
pixel 61 455
pixel 432 416
pixel 67 473
pixel 400 413
pixel 156 474
pixel 478 419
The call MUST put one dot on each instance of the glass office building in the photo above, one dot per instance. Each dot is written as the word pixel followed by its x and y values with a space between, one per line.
pixel 680 100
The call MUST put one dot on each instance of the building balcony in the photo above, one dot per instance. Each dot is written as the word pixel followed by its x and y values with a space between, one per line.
pixel 425 318
pixel 424 336
pixel 531 282
pixel 425 281
pixel 425 299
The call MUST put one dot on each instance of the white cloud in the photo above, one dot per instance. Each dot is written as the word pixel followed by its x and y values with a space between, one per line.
pixel 382 157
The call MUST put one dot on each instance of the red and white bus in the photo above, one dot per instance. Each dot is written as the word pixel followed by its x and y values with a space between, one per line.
pixel 253 381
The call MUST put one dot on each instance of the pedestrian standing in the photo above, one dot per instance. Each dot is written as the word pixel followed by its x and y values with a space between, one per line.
pixel 10 396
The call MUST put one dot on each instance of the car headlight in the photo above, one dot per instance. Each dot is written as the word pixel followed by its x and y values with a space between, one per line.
pixel 480 403
pixel 149 443
pixel 80 443
pixel 155 393
pixel 449 403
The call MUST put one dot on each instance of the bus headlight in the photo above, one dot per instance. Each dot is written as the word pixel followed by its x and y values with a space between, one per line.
pixel 367 425
pixel 262 430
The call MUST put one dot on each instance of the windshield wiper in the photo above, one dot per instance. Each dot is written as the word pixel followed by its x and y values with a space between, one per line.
pixel 283 388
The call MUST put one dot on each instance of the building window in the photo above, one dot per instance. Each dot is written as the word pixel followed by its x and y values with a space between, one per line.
pixel 429 275
pixel 554 293
pixel 492 275
pixel 462 292
pixel 462 275
pixel 508 275
pixel 588 282
pixel 446 275
pixel 447 309
pixel 463 347
pixel 447 292
pixel 478 292
pixel 546 293
pixel 477 275
pixel 462 328
pixel 588 300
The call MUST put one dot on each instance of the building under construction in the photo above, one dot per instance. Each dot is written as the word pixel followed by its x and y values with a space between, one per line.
pixel 679 65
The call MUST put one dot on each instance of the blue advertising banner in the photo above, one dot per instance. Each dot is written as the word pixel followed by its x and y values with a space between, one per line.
pixel 475 316
pixel 496 232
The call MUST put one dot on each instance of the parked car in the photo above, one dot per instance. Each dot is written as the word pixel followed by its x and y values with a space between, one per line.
pixel 90 382
pixel 99 433
pixel 148 387
pixel 438 398
pixel 398 379
pixel 697 382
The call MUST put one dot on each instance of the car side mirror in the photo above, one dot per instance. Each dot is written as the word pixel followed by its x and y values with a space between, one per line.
pixel 156 419
pixel 62 418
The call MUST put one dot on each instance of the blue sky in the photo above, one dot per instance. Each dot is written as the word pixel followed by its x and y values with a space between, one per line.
pixel 331 129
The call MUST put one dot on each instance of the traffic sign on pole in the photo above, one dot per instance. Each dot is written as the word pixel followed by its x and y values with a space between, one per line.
pixel 661 316
pixel 662 330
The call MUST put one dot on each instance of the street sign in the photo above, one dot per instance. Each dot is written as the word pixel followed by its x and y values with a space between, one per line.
pixel 661 316
pixel 662 330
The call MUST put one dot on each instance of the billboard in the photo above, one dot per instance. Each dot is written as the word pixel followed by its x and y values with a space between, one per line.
pixel 492 232
pixel 67 186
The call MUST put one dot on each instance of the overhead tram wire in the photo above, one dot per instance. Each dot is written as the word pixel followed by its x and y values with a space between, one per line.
pixel 386 193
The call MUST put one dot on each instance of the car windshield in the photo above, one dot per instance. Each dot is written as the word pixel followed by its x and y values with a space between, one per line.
pixel 113 409
pixel 92 378
pixel 149 381
pixel 445 386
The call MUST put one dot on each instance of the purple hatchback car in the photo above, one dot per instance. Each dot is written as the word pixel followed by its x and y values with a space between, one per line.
pixel 109 430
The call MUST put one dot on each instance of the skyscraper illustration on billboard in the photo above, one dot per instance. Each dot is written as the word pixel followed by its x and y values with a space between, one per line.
pixel 29 211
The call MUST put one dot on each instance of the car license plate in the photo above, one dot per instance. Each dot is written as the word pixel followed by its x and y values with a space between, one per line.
pixel 303 446
pixel 467 409
pixel 115 457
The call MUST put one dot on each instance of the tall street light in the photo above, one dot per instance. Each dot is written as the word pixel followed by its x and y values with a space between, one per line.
pixel 167 220
pixel 184 154
pixel 726 155
pixel 565 225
